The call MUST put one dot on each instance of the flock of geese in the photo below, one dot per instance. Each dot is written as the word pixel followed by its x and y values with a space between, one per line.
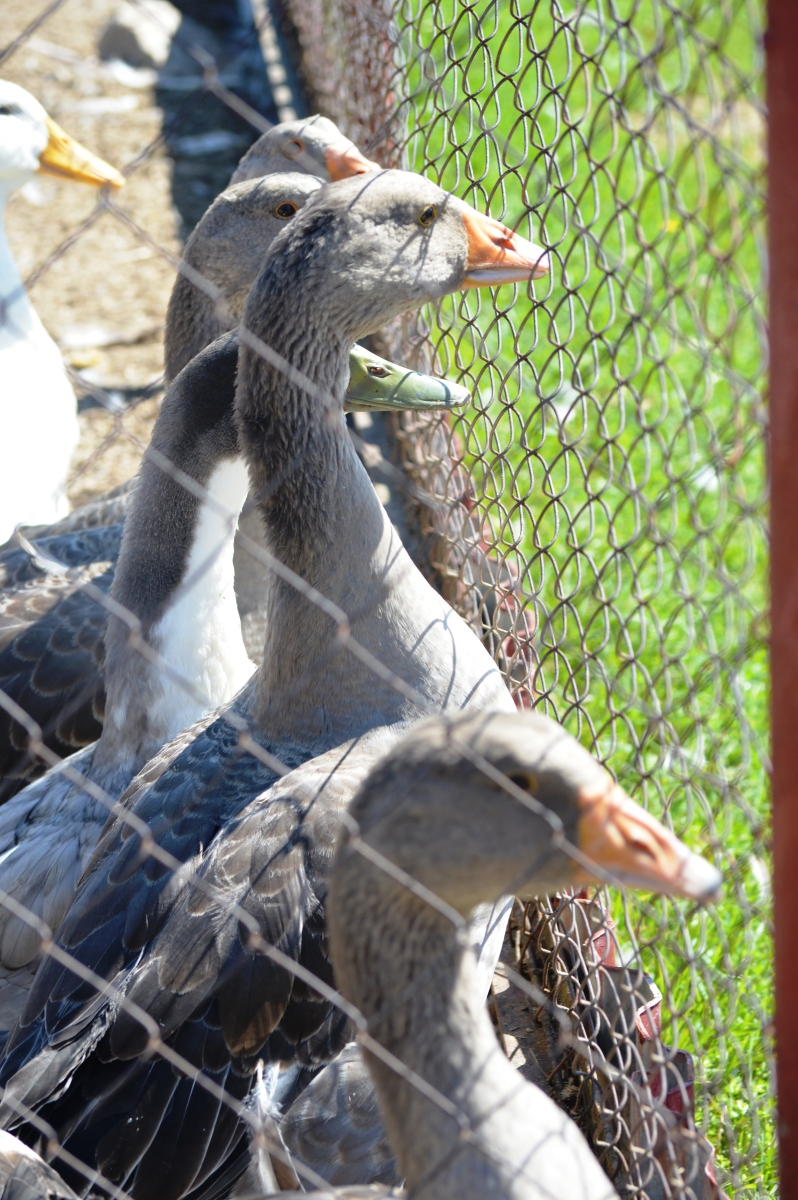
pixel 295 795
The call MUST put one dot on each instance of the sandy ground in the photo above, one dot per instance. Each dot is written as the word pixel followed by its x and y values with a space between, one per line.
pixel 108 287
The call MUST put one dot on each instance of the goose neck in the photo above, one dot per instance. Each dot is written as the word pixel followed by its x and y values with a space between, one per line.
pixel 293 372
pixel 175 572
pixel 418 986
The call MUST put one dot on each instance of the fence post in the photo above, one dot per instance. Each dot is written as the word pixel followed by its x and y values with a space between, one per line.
pixel 782 92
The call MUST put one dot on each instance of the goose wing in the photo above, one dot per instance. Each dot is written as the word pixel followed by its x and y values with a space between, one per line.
pixel 336 1128
pixel 46 834
pixel 26 1176
pixel 52 648
pixel 179 945
pixel 84 548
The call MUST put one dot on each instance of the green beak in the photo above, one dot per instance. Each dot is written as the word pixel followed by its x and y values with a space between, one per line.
pixel 376 385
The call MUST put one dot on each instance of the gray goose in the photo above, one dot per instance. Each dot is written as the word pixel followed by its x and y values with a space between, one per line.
pixel 361 251
pixel 175 575
pixel 471 807
pixel 51 632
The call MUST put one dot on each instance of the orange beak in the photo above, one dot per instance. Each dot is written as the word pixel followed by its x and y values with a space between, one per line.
pixel 633 847
pixel 497 255
pixel 344 159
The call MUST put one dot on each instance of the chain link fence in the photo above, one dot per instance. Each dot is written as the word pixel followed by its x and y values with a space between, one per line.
pixel 614 465
pixel 598 513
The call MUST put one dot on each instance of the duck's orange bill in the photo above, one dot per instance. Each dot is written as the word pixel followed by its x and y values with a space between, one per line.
pixel 65 157
pixel 344 159
pixel 635 849
pixel 497 255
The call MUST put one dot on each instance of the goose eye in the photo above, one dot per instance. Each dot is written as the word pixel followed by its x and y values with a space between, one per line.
pixel 285 210
pixel 293 148
pixel 7 110
pixel 527 783
pixel 428 216
pixel 378 372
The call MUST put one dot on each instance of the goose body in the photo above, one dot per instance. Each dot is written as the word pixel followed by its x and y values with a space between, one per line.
pixel 354 256
pixel 37 408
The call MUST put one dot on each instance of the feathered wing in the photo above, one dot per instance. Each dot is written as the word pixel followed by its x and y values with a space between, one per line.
pixel 52 648
pixel 25 1176
pixel 179 946
pixel 335 1126
pixel 47 832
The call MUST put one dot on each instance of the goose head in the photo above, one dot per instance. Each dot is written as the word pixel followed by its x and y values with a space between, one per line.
pixel 239 227
pixel 478 806
pixel 312 145
pixel 226 250
pixel 369 248
pixel 30 142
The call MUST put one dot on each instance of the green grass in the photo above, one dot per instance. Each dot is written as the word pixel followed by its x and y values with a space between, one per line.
pixel 617 444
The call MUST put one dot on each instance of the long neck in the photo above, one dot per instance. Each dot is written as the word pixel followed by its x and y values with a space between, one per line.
pixel 474 1128
pixel 418 988
pixel 323 520
pixel 175 570
pixel 193 321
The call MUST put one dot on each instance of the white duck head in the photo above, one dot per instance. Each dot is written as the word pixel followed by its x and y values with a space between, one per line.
pixel 31 141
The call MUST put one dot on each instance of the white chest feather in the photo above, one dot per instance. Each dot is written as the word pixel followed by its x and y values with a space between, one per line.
pixel 199 636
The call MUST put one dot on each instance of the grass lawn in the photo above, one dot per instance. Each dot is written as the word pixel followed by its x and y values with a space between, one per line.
pixel 617 444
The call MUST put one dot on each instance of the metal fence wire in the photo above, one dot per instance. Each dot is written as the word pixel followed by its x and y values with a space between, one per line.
pixel 610 480
pixel 597 513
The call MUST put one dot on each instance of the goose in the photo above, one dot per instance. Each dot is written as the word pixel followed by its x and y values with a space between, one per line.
pixel 361 251
pixel 471 807
pixel 38 411
pixel 174 575
pixel 311 144
pixel 51 649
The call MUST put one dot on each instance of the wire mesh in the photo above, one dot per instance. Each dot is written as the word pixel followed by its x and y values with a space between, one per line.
pixel 615 462
pixel 599 515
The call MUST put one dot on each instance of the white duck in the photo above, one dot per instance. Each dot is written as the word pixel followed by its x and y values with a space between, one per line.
pixel 38 413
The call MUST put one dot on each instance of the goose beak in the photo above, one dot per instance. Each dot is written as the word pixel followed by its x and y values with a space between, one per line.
pixel 633 847
pixel 65 157
pixel 378 385
pixel 344 159
pixel 497 255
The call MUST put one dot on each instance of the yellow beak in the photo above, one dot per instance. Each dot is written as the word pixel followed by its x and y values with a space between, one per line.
pixel 64 156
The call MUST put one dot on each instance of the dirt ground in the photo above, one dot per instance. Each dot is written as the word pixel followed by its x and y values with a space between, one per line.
pixel 104 299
